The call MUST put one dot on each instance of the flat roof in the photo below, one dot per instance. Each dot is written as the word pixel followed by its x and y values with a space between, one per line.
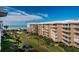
pixel 58 22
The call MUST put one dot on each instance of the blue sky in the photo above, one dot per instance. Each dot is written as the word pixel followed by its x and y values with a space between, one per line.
pixel 21 15
pixel 53 12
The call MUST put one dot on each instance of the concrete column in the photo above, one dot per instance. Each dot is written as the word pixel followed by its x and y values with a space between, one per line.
pixel 59 32
pixel 72 35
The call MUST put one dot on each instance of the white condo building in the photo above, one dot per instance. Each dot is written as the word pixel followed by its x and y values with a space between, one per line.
pixel 60 31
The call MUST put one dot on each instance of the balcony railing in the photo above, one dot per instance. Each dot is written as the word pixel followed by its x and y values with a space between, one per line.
pixel 76 26
pixel 65 26
pixel 66 30
pixel 76 31
pixel 66 39
pixel 66 35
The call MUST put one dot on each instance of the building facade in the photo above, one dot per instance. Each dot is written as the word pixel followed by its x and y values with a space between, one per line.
pixel 44 30
pixel 66 32
pixel 34 28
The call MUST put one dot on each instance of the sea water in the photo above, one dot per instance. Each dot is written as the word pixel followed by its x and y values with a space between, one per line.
pixel 17 27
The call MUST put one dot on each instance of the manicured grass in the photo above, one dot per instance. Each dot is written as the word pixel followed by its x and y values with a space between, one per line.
pixel 69 48
pixel 7 43
pixel 39 44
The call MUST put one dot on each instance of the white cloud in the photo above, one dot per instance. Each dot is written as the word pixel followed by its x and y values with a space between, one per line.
pixel 9 9
pixel 18 15
pixel 21 18
pixel 22 12
pixel 14 13
pixel 45 15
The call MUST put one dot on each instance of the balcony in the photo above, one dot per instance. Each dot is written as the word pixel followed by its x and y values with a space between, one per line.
pixel 66 39
pixel 76 26
pixel 65 26
pixel 66 30
pixel 54 38
pixel 53 33
pixel 53 26
pixel 66 43
pixel 76 31
pixel 76 39
pixel 53 29
pixel 66 35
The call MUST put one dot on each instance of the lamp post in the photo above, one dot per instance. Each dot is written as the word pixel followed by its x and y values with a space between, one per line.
pixel 3 13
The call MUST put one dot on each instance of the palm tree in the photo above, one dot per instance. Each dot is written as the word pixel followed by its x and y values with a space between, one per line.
pixel 6 27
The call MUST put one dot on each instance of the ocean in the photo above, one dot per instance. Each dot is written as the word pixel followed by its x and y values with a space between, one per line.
pixel 17 27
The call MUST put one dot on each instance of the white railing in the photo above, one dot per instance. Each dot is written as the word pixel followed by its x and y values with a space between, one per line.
pixel 66 30
pixel 66 39
pixel 66 43
pixel 66 26
pixel 76 31
pixel 75 26
pixel 66 35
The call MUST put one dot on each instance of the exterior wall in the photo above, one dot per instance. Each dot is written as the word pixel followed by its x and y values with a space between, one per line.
pixel 50 26
pixel 59 32
pixel 72 35
pixel 67 33
pixel 34 28
pixel 45 30
pixel 40 29
pixel 56 32
pixel 76 34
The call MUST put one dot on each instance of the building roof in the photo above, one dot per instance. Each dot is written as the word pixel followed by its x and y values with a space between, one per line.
pixel 57 22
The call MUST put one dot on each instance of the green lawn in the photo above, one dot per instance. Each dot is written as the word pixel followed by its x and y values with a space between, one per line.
pixel 69 48
pixel 38 43
pixel 7 44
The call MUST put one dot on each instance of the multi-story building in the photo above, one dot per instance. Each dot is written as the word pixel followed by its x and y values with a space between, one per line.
pixel 66 32
pixel 40 29
pixel 44 30
pixel 34 28
pixel 56 32
pixel 70 33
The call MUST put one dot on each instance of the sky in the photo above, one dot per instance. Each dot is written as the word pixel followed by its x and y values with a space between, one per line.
pixel 21 15
pixel 52 12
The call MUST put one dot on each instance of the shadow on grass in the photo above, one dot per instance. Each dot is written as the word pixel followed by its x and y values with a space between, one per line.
pixel 69 48
pixel 6 46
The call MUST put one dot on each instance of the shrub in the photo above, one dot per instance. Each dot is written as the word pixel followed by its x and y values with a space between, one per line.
pixel 69 48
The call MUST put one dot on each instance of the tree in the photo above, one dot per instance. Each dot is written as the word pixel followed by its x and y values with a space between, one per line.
pixel 6 27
